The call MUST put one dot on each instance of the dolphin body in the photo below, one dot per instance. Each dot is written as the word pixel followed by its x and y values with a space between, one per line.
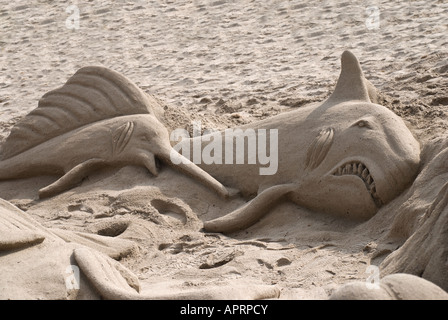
pixel 346 156
pixel 121 141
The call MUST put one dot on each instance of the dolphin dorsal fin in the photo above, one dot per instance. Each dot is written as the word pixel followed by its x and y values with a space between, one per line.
pixel 351 84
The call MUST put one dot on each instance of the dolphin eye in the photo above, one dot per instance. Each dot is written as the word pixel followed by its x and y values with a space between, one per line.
pixel 362 123
pixel 144 137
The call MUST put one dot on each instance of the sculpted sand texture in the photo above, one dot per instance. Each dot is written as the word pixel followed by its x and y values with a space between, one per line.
pixel 392 287
pixel 40 263
pixel 361 157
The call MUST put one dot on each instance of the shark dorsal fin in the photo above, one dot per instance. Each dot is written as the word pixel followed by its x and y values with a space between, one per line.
pixel 351 84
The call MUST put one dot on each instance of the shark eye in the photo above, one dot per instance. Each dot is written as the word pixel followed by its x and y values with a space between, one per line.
pixel 363 124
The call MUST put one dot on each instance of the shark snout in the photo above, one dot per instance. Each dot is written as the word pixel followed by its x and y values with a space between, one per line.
pixel 393 175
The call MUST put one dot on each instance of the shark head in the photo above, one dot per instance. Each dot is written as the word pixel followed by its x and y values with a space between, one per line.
pixel 366 158
pixel 361 163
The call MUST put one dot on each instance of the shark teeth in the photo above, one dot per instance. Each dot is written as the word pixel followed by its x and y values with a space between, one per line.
pixel 359 169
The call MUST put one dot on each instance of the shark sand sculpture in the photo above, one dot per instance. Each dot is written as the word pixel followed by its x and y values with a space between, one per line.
pixel 347 156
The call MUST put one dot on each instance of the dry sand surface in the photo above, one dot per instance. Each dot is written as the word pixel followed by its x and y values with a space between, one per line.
pixel 225 63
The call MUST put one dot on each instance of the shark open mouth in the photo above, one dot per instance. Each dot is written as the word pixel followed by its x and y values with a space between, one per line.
pixel 360 170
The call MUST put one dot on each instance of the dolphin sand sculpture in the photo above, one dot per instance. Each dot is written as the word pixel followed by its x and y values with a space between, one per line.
pixel 97 118
pixel 347 156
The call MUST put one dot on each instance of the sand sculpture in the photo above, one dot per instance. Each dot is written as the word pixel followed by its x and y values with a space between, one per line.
pixel 399 286
pixel 42 263
pixel 347 147
pixel 344 148
pixel 48 263
pixel 420 227
pixel 98 118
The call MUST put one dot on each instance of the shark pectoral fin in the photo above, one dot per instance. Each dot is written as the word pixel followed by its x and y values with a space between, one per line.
pixel 251 212
pixel 111 279
pixel 71 178
pixel 19 239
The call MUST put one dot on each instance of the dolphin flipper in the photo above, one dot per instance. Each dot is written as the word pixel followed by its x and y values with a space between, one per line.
pixel 149 161
pixel 71 178
pixel 251 212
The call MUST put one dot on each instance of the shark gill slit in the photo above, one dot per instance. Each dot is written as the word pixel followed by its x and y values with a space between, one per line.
pixel 319 148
